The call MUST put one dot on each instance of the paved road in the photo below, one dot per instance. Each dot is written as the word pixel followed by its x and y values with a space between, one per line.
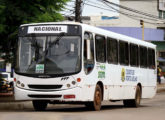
pixel 151 109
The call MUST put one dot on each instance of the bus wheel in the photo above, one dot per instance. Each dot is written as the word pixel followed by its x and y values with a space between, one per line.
pixel 96 104
pixel 135 102
pixel 137 97
pixel 39 105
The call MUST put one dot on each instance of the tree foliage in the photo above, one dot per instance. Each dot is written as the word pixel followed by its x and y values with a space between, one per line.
pixel 13 13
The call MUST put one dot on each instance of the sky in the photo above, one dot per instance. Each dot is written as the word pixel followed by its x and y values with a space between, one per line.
pixel 88 10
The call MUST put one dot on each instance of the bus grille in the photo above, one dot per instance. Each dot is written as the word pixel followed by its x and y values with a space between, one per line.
pixel 45 86
pixel 44 96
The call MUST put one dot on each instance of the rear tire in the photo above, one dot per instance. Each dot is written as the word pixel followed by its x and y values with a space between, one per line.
pixel 135 102
pixel 40 105
pixel 96 104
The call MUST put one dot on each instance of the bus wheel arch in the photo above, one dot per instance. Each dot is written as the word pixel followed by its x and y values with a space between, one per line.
pixel 137 99
pixel 98 98
pixel 138 95
pixel 139 84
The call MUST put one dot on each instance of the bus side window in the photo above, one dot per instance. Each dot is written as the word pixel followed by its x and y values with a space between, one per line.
pixel 88 52
pixel 134 60
pixel 151 58
pixel 143 57
pixel 112 50
pixel 100 48
pixel 123 53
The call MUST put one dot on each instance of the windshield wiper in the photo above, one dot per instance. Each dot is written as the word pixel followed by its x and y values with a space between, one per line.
pixel 37 48
pixel 54 42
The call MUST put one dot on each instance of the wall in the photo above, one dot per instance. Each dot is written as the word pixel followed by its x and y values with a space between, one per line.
pixel 147 6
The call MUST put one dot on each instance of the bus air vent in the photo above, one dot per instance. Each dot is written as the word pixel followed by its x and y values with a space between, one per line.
pixel 45 86
pixel 44 96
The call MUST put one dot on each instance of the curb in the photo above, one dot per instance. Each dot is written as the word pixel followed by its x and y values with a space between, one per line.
pixel 15 105
pixel 161 88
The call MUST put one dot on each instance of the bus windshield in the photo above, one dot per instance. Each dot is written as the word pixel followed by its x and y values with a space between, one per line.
pixel 55 55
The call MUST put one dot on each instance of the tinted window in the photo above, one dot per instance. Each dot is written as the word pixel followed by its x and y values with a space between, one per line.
pixel 151 58
pixel 112 50
pixel 123 53
pixel 143 56
pixel 133 55
pixel 100 48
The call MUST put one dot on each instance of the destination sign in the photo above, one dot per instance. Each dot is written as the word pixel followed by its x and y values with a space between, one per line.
pixel 47 29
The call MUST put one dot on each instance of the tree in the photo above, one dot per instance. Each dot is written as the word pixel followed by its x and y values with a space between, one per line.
pixel 16 12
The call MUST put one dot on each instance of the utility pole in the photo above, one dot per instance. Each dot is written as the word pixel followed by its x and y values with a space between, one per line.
pixel 142 24
pixel 78 10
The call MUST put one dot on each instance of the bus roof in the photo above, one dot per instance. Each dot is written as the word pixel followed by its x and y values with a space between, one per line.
pixel 99 31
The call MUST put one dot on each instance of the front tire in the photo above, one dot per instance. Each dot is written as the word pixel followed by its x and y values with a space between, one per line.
pixel 39 105
pixel 96 104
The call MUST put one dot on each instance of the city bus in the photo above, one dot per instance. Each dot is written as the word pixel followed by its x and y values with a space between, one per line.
pixel 68 62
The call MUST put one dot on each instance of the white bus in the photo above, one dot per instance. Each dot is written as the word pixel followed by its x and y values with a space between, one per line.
pixel 70 62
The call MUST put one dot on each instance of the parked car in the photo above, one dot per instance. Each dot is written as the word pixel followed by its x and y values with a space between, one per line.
pixel 4 85
pixel 7 77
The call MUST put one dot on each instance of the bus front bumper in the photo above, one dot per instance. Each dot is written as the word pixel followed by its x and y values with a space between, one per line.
pixel 72 94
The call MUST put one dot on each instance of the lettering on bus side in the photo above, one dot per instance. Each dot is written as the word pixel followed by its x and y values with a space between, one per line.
pixel 101 74
pixel 101 70
pixel 128 75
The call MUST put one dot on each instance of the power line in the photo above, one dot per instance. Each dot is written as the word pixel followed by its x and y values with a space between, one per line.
pixel 99 7
pixel 116 10
pixel 131 15
pixel 135 17
pixel 142 15
pixel 96 3
pixel 124 13
pixel 132 10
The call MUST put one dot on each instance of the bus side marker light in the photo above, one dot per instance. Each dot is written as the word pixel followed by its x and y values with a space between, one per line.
pixel 78 79
pixel 69 96
pixel 15 79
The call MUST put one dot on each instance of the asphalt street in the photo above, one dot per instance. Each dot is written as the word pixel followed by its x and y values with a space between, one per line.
pixel 151 109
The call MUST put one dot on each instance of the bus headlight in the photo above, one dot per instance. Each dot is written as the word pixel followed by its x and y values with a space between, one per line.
pixel 22 85
pixel 18 82
pixel 68 85
pixel 73 82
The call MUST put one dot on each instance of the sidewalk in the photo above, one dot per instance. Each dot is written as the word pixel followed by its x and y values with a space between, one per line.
pixel 7 101
pixel 161 88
